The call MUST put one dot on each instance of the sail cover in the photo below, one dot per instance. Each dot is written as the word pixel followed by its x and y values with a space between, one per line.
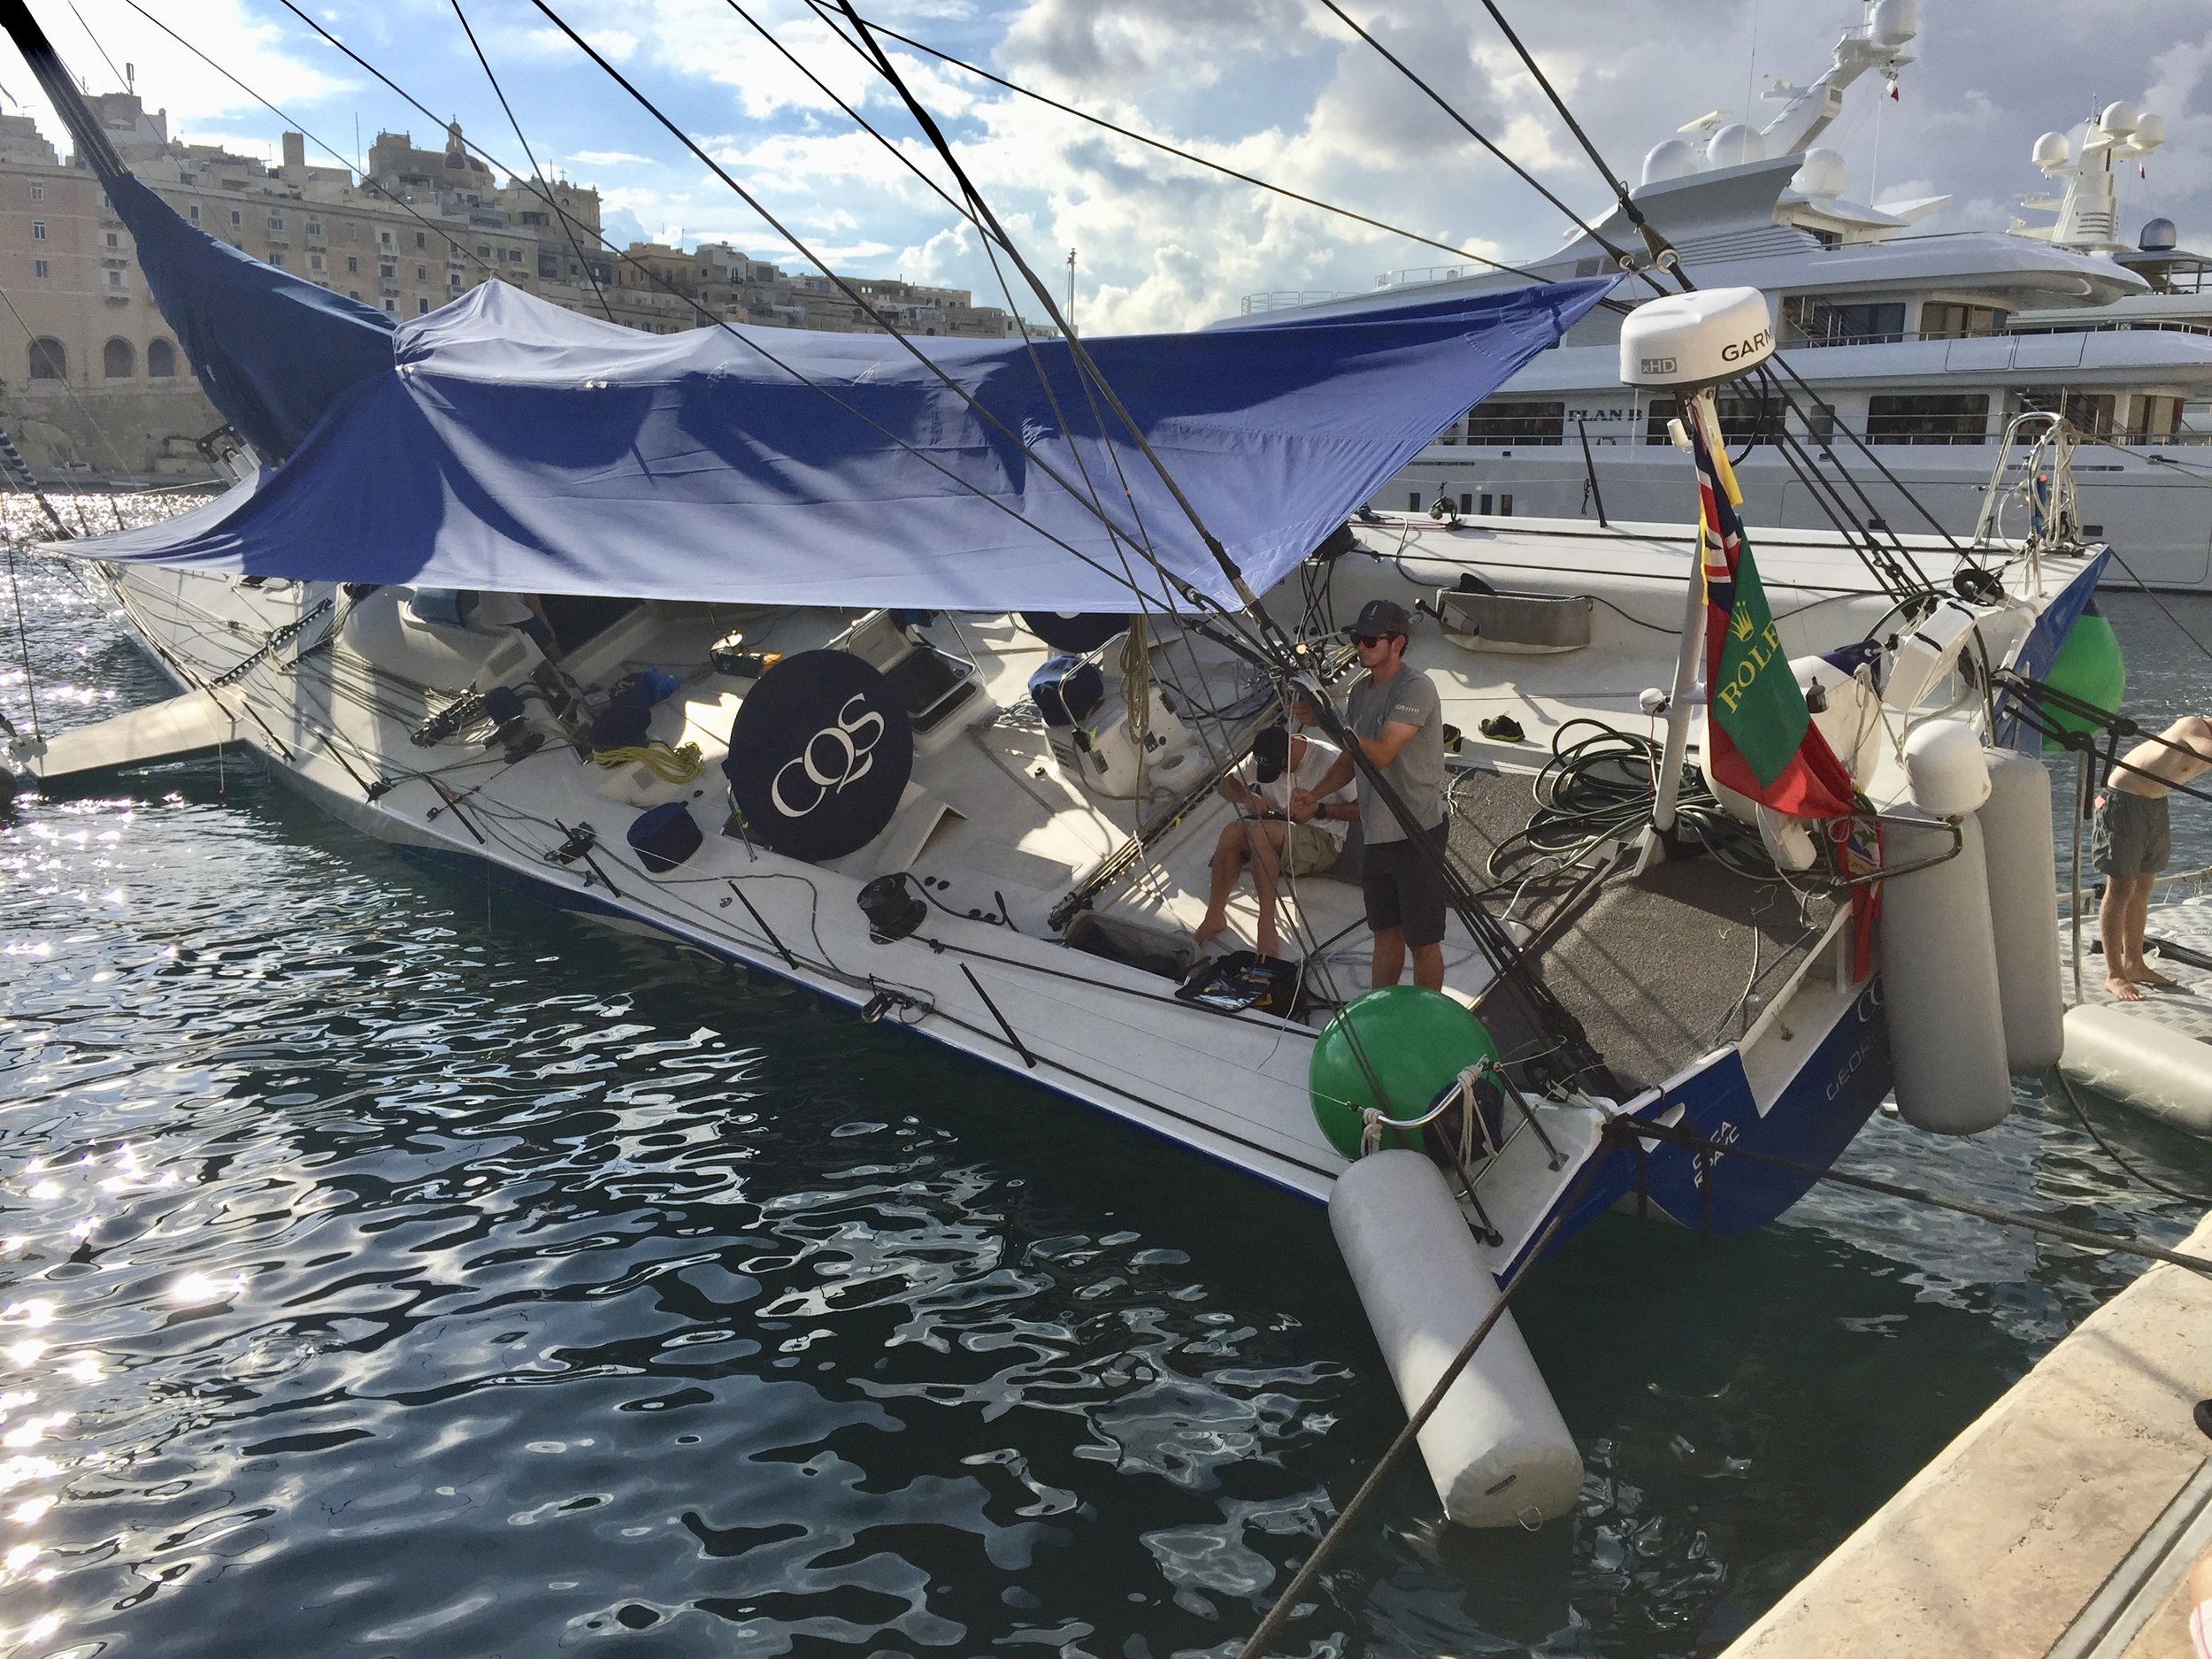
pixel 515 446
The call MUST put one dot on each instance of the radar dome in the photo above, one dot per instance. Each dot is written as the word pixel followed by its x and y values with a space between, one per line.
pixel 1733 145
pixel 2051 153
pixel 2121 119
pixel 2159 236
pixel 1896 21
pixel 1821 176
pixel 1672 158
pixel 2150 131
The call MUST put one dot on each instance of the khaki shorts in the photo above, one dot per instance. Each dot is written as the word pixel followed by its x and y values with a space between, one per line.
pixel 1307 850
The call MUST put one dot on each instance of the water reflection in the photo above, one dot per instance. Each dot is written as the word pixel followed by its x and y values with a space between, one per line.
pixel 372 1276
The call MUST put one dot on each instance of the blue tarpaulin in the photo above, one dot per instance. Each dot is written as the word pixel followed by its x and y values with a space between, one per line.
pixel 517 447
pixel 272 350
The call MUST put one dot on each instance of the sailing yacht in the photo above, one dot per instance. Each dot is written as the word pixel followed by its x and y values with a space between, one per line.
pixel 1928 346
pixel 908 671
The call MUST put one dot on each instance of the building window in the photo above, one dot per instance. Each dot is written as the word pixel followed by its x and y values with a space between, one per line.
pixel 1939 319
pixel 1929 418
pixel 192 212
pixel 115 239
pixel 276 221
pixel 115 281
pixel 391 305
pixel 350 230
pixel 1514 420
pixel 1809 320
pixel 117 361
pixel 353 294
pixel 236 218
pixel 353 267
pixel 419 242
pixel 44 270
pixel 314 262
pixel 422 273
pixel 422 308
pixel 49 361
pixel 314 227
pixel 483 250
pixel 38 192
pixel 161 360
pixel 276 258
pixel 38 230
pixel 387 270
pixel 1742 419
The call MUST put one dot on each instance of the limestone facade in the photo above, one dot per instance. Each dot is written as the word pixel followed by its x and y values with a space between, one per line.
pixel 94 390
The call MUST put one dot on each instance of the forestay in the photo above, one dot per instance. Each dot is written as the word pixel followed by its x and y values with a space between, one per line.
pixel 516 445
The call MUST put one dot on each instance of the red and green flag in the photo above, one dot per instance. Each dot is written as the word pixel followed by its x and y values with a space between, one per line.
pixel 1759 737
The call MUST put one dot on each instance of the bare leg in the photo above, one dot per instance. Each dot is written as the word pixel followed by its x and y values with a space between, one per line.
pixel 1229 855
pixel 1267 843
pixel 2112 929
pixel 2137 917
pixel 1390 956
pixel 1428 966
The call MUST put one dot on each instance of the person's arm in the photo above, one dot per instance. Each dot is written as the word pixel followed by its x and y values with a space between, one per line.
pixel 1339 774
pixel 1383 748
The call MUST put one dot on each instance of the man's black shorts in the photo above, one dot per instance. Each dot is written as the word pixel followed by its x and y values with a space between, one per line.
pixel 2129 834
pixel 1403 886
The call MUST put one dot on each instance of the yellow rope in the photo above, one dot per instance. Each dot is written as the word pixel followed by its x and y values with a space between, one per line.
pixel 672 765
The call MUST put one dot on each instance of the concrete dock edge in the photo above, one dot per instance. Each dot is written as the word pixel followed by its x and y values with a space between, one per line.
pixel 2067 1513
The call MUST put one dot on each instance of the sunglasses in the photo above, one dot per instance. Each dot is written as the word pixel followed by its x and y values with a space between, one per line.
pixel 1372 639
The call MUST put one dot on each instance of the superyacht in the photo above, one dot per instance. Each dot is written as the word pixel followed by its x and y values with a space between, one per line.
pixel 1932 348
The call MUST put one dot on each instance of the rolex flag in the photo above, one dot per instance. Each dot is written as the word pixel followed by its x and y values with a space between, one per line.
pixel 1760 739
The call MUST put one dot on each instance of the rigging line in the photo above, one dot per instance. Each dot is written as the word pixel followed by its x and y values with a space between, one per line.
pixel 529 154
pixel 851 114
pixel 1078 352
pixel 96 47
pixel 1655 242
pixel 1859 444
pixel 1196 160
pixel 1867 519
pixel 367 183
pixel 1620 255
pixel 23 642
pixel 1200 601
pixel 859 300
pixel 2073 1100
pixel 2160 603
pixel 1888 575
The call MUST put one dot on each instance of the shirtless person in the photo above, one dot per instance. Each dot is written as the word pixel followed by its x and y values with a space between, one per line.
pixel 2128 842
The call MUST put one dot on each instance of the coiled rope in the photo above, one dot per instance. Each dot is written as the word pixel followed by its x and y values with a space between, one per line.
pixel 679 764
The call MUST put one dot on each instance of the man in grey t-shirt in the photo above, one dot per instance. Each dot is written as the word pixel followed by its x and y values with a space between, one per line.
pixel 1398 719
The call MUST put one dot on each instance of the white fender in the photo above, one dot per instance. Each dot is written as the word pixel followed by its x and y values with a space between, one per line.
pixel 1939 950
pixel 1497 1449
pixel 2139 1063
pixel 2017 849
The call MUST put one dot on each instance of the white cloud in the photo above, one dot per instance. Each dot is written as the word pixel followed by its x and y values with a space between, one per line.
pixel 609 158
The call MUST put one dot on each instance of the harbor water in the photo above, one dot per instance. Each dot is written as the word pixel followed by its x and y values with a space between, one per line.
pixel 390 1266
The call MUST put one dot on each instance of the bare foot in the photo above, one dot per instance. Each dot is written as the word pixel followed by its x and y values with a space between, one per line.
pixel 2143 974
pixel 1210 927
pixel 1267 946
pixel 2121 990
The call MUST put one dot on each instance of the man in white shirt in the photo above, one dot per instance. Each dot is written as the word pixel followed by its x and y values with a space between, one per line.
pixel 1284 827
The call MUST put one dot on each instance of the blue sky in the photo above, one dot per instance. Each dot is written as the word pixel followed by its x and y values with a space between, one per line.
pixel 1276 87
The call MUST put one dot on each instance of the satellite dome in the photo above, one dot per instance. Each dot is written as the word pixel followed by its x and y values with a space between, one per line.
pixel 2150 131
pixel 1821 176
pixel 1896 21
pixel 2159 236
pixel 1733 145
pixel 1671 158
pixel 2120 119
pixel 2051 153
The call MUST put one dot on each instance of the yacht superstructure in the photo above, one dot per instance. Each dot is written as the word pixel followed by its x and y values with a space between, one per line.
pixel 1925 345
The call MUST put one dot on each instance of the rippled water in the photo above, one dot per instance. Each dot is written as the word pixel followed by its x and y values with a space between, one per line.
pixel 389 1267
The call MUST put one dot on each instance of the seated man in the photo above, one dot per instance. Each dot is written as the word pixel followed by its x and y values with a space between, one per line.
pixel 1288 827
pixel 2128 842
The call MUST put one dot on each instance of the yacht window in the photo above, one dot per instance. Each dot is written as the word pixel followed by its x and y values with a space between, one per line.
pixel 2091 411
pixel 1939 319
pixel 1809 320
pixel 1413 501
pixel 1929 418
pixel 1742 419
pixel 1517 420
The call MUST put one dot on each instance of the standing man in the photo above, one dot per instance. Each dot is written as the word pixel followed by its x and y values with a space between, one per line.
pixel 2128 843
pixel 1398 721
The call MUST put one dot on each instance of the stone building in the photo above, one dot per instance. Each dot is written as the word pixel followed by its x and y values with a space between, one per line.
pixel 94 389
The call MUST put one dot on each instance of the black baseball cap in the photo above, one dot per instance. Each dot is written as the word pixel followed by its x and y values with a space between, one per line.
pixel 1381 618
pixel 1271 752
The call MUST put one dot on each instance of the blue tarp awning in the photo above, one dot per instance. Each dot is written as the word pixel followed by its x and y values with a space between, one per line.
pixel 514 446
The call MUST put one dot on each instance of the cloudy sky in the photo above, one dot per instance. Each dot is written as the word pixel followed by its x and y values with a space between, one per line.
pixel 1278 88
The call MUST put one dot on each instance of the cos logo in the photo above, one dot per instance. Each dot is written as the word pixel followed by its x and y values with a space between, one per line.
pixel 842 752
